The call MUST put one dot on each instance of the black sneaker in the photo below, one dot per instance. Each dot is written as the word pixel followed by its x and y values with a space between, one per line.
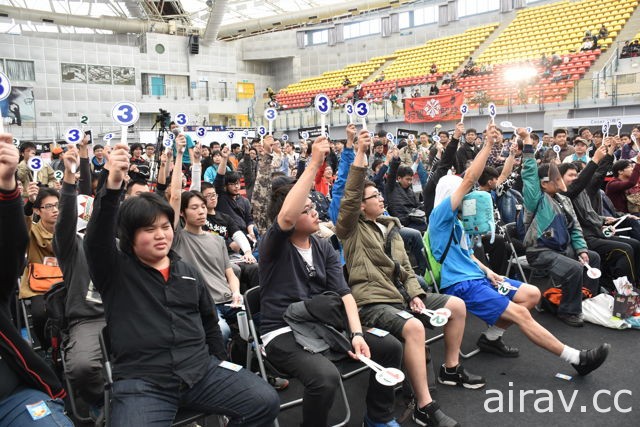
pixel 496 347
pixel 574 320
pixel 590 360
pixel 460 377
pixel 432 416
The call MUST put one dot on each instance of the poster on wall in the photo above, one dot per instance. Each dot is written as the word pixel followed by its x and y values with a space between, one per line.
pixel 99 74
pixel 73 73
pixel 124 75
pixel 19 106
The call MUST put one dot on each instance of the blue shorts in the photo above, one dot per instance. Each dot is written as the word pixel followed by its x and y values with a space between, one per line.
pixel 482 298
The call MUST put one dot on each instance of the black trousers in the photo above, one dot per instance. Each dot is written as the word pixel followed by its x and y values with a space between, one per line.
pixel 617 255
pixel 320 376
pixel 495 255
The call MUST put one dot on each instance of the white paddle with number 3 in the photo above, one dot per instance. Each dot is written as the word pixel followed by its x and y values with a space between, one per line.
pixel 362 110
pixel 5 91
pixel 322 104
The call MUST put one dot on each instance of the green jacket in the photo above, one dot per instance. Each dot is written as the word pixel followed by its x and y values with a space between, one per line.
pixel 370 269
pixel 542 209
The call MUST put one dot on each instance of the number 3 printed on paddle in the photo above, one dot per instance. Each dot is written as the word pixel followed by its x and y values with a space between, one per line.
pixel 125 113
pixel 270 114
pixel 262 131
pixel 35 163
pixel 5 87
pixel 322 104
pixel 73 135
pixel 201 131
pixel 492 110
pixel 181 119
pixel 362 108
pixel 348 109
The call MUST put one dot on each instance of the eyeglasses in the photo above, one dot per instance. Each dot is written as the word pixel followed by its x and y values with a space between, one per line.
pixel 211 196
pixel 50 206
pixel 375 195
pixel 308 209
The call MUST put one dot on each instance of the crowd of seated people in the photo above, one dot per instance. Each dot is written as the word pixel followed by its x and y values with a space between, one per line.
pixel 160 253
pixel 630 49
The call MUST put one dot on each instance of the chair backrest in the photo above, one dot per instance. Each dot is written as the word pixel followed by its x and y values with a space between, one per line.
pixel 252 302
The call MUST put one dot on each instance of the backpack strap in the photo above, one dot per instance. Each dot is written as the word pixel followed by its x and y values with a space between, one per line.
pixel 446 250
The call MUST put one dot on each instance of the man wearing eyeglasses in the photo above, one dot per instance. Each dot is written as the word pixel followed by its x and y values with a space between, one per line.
pixel 296 265
pixel 387 291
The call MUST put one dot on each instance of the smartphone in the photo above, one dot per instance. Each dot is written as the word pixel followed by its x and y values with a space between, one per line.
pixel 88 132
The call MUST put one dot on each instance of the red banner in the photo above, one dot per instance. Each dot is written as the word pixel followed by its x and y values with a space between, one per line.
pixel 433 108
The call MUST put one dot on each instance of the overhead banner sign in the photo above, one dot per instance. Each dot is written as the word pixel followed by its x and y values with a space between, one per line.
pixel 404 133
pixel 595 121
pixel 313 132
pixel 433 108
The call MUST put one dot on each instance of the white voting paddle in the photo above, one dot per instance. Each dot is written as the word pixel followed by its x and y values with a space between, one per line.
pixel 504 288
pixel 362 110
pixel 125 113
pixel 262 131
pixel 557 149
pixel 385 376
pixel 492 112
pixel 438 317
pixel 464 109
pixel 348 108
pixel 35 164
pixel 5 91
pixel 73 137
pixel 201 132
pixel 605 129
pixel 619 126
pixel 322 104
pixel 593 273
pixel 270 114
pixel 391 137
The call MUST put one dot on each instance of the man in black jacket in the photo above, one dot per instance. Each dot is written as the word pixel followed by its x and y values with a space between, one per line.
pixel 30 393
pixel 166 344
pixel 403 203
pixel 467 151
pixel 83 311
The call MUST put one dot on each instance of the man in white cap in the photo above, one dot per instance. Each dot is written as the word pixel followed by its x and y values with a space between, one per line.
pixel 465 277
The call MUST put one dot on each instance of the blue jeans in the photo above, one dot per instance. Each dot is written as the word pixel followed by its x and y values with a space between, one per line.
pixel 245 398
pixel 224 313
pixel 413 244
pixel 14 413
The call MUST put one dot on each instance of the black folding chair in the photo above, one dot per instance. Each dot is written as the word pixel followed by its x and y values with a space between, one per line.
pixel 183 416
pixel 347 368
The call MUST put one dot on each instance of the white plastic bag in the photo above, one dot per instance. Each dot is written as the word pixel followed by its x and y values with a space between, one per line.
pixel 598 310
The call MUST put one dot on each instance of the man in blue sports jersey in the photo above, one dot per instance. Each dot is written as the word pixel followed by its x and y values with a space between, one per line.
pixel 467 278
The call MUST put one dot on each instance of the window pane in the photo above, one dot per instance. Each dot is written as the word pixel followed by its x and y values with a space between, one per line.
pixel 404 20
pixel 20 70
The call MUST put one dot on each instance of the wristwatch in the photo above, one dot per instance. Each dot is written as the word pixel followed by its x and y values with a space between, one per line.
pixel 356 334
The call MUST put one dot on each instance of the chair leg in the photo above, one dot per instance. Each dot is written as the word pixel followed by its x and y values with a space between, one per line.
pixel 346 406
pixel 25 316
pixel 434 339
pixel 470 354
